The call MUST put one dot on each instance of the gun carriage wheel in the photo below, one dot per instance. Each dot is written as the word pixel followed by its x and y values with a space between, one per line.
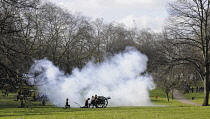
pixel 101 102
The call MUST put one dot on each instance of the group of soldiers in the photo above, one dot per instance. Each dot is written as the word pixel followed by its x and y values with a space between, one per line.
pixel 90 102
pixel 23 97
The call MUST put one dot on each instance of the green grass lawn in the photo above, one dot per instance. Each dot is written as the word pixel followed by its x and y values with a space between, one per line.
pixel 198 97
pixel 171 110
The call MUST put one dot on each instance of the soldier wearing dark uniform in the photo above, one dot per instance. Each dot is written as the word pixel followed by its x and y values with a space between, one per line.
pixel 92 102
pixel 21 101
pixel 67 103
pixel 86 103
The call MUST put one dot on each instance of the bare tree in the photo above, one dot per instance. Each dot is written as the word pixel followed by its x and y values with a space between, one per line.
pixel 13 42
pixel 188 26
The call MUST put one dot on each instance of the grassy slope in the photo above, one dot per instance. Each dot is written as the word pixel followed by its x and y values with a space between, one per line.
pixel 9 110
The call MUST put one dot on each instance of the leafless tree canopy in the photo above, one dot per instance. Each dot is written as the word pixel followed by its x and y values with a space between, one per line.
pixel 32 29
pixel 188 30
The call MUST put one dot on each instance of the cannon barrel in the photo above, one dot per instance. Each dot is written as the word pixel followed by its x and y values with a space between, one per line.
pixel 103 98
pixel 108 97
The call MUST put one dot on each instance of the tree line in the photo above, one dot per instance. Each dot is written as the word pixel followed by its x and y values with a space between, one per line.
pixel 32 29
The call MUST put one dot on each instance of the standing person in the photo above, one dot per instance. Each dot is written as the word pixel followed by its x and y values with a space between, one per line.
pixel 22 105
pixel 39 97
pixel 89 103
pixel 44 99
pixel 18 96
pixel 34 97
pixel 6 92
pixel 92 102
pixel 67 103
pixel 156 97
pixel 95 98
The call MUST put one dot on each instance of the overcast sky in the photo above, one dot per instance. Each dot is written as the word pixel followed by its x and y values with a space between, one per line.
pixel 145 13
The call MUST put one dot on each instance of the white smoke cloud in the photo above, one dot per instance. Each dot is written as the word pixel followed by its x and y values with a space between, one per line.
pixel 120 77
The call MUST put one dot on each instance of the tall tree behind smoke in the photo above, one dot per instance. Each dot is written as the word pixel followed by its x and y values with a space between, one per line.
pixel 118 77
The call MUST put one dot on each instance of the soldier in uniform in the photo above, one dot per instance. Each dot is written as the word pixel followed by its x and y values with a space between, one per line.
pixel 86 103
pixel 67 103
pixel 21 101
pixel 92 102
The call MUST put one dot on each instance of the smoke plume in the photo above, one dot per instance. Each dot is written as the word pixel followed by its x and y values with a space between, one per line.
pixel 122 77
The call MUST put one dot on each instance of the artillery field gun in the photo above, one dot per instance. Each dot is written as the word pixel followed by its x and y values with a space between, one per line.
pixel 101 101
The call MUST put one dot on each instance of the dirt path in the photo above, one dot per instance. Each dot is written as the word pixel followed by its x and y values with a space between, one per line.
pixel 178 95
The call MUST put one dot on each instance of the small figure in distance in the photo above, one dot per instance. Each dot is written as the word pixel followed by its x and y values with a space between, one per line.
pixel 34 97
pixel 18 95
pixel 92 102
pixel 156 97
pixel 95 99
pixel 44 99
pixel 22 105
pixel 86 103
pixel 6 92
pixel 67 103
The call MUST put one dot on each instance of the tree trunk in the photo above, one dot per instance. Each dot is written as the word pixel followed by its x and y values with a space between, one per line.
pixel 167 97
pixel 206 87
pixel 172 94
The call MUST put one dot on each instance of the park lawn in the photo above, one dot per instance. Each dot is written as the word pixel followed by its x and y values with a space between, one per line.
pixel 172 112
pixel 199 97
pixel 172 109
